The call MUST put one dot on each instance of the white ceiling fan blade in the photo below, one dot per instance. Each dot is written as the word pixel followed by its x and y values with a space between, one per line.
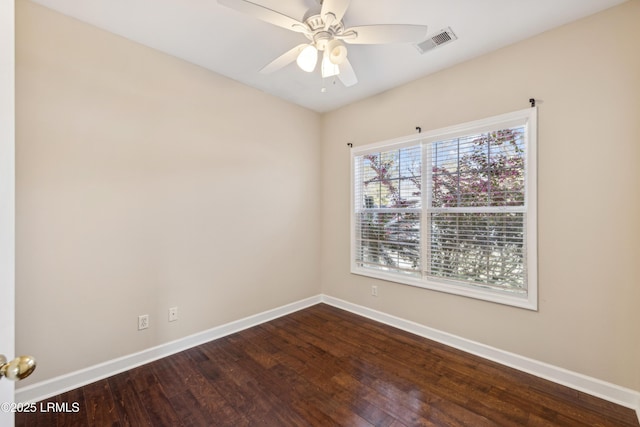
pixel 383 34
pixel 283 60
pixel 265 14
pixel 347 76
pixel 335 7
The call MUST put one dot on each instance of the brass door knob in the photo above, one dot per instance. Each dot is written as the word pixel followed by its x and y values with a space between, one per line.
pixel 18 369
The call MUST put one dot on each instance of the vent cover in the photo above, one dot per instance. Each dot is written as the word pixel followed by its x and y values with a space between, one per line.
pixel 440 38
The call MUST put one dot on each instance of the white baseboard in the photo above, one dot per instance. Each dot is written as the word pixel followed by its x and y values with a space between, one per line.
pixel 593 386
pixel 608 391
pixel 52 387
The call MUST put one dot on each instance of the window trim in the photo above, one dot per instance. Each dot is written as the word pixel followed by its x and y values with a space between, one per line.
pixel 526 118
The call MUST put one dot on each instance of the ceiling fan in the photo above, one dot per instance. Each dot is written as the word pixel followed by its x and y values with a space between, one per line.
pixel 327 36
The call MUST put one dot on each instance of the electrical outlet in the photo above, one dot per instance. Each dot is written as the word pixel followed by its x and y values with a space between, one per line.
pixel 374 290
pixel 143 321
pixel 173 314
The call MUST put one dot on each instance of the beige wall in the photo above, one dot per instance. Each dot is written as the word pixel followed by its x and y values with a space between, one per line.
pixel 145 182
pixel 586 76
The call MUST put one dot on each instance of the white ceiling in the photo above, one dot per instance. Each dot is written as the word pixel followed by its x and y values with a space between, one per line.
pixel 238 46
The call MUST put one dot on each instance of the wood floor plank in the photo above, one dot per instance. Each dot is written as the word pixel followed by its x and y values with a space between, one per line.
pixel 323 366
pixel 159 408
pixel 130 407
pixel 244 390
pixel 100 406
pixel 210 394
pixel 75 417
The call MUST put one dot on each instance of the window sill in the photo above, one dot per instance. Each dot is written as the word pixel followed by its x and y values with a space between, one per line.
pixel 529 302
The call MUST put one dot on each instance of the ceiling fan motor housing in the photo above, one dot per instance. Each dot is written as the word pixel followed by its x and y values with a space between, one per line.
pixel 319 33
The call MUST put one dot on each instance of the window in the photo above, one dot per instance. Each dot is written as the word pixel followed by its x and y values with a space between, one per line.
pixel 452 209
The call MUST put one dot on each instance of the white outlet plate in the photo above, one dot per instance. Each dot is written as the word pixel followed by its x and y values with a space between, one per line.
pixel 173 314
pixel 143 321
pixel 374 290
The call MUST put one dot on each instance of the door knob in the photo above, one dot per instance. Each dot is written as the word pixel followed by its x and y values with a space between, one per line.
pixel 18 369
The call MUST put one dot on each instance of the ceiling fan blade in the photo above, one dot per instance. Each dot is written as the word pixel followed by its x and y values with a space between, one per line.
pixel 347 76
pixel 335 7
pixel 283 60
pixel 265 14
pixel 383 34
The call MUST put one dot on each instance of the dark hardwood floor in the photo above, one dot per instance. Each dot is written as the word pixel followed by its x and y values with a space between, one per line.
pixel 321 367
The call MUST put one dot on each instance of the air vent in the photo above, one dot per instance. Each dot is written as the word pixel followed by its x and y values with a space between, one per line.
pixel 440 38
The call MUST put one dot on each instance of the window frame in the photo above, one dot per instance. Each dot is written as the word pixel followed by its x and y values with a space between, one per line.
pixel 526 118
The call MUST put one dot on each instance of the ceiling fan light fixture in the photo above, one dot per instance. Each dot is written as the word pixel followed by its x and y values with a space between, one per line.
pixel 308 58
pixel 337 51
pixel 328 68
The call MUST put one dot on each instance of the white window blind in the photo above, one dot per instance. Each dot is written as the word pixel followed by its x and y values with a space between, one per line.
pixel 388 211
pixel 476 209
pixel 451 210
